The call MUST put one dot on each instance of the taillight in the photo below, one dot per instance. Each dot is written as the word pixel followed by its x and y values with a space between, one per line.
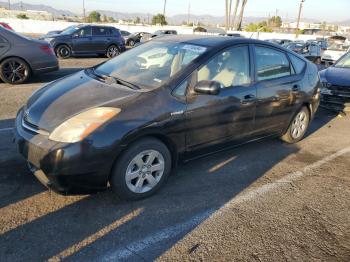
pixel 47 49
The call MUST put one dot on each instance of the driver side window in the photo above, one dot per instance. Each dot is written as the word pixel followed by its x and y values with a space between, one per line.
pixel 85 32
pixel 230 68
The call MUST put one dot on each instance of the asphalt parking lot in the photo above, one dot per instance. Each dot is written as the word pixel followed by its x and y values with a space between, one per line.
pixel 265 201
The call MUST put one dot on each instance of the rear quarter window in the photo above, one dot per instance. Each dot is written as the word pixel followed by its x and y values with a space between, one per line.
pixel 297 63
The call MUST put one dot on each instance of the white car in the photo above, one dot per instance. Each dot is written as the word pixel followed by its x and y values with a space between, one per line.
pixel 334 52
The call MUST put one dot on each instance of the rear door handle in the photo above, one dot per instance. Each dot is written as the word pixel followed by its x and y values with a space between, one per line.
pixel 295 88
pixel 248 99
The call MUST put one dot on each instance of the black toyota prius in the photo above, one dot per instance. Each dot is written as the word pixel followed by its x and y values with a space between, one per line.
pixel 127 122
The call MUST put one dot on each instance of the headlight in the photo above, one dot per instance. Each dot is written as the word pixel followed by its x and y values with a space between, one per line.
pixel 80 126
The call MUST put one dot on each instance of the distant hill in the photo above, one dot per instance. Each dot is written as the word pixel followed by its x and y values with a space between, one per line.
pixel 175 19
pixel 25 6
pixel 343 23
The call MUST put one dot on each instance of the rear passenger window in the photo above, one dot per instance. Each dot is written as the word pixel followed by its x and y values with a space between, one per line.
pixel 99 31
pixel 271 63
pixel 298 63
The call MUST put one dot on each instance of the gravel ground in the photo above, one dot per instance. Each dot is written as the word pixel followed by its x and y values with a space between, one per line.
pixel 265 201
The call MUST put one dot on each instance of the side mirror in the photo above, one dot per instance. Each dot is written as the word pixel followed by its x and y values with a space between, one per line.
pixel 208 87
pixel 76 36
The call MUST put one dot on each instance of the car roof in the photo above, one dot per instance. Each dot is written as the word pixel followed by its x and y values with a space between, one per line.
pixel 210 41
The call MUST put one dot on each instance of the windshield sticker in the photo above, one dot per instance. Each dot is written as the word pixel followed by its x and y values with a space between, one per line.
pixel 195 48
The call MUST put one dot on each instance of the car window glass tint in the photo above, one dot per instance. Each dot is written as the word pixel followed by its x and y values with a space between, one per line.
pixel 271 64
pixel 85 32
pixel 99 31
pixel 230 68
pixel 298 63
pixel 153 64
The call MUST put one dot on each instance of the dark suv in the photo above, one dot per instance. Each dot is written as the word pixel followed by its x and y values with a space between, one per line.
pixel 87 39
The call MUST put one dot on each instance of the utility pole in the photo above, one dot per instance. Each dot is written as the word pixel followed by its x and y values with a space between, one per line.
pixel 84 14
pixel 298 21
pixel 234 15
pixel 9 4
pixel 188 13
pixel 164 8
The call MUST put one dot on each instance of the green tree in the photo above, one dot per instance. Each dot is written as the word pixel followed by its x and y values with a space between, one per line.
pixel 104 19
pixel 137 20
pixel 275 21
pixel 22 16
pixel 94 17
pixel 260 27
pixel 159 19
pixel 111 19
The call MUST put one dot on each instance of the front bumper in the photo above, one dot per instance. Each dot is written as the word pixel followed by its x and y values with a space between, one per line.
pixel 78 168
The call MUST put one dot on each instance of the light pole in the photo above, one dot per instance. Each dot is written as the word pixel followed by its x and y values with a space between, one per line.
pixel 9 4
pixel 298 21
pixel 84 15
pixel 164 8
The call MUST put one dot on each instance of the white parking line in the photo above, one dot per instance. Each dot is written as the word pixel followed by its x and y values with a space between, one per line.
pixel 6 129
pixel 135 247
pixel 258 192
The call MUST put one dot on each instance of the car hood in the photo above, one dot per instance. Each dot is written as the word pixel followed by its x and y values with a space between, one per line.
pixel 337 76
pixel 60 100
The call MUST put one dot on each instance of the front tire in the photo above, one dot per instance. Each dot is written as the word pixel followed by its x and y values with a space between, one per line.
pixel 63 52
pixel 141 170
pixel 298 127
pixel 14 71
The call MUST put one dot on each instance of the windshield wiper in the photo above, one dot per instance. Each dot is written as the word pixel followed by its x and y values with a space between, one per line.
pixel 113 80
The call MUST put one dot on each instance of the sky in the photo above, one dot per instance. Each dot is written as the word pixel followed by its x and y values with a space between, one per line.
pixel 322 10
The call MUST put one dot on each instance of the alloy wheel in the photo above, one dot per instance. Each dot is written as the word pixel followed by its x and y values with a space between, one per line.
pixel 63 52
pixel 145 171
pixel 299 125
pixel 14 71
pixel 113 51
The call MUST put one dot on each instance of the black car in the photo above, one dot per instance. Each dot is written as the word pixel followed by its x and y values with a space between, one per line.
pixel 136 38
pixel 164 32
pixel 130 120
pixel 87 39
pixel 21 57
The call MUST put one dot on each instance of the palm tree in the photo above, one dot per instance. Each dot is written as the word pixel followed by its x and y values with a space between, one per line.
pixel 226 14
pixel 241 13
pixel 234 14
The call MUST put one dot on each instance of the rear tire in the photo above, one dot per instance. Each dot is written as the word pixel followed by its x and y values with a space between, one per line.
pixel 63 52
pixel 14 71
pixel 141 170
pixel 297 127
pixel 131 43
pixel 112 51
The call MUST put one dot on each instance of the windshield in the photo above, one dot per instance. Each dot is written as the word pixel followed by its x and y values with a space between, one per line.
pixel 70 30
pixel 151 64
pixel 338 47
pixel 344 62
